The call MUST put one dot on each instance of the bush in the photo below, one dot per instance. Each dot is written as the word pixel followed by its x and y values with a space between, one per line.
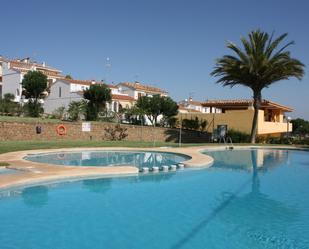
pixel 4 164
pixel 58 113
pixel 77 110
pixel 33 109
pixel 275 140
pixel 194 124
pixel 8 106
pixel 238 136
pixel 115 133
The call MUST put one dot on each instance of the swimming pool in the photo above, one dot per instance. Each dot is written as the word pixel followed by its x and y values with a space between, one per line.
pixel 110 158
pixel 248 199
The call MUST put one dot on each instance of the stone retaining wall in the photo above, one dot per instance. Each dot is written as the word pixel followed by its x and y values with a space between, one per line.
pixel 27 131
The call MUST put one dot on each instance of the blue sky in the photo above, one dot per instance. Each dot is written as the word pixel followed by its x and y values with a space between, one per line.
pixel 169 44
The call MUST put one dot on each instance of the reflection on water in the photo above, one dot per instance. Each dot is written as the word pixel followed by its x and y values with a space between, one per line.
pixel 262 159
pixel 255 216
pixel 111 158
pixel 99 186
pixel 253 207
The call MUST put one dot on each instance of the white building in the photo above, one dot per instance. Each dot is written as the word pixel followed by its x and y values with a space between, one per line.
pixel 64 91
pixel 190 105
pixel 136 90
pixel 13 72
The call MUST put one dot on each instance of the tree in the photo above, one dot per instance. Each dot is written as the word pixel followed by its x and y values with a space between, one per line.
pixel 134 115
pixel 68 76
pixel 77 110
pixel 300 126
pixel 34 84
pixel 258 65
pixel 157 105
pixel 97 96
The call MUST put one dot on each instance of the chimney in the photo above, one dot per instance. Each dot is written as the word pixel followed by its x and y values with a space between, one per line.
pixel 44 64
pixel 93 82
pixel 190 99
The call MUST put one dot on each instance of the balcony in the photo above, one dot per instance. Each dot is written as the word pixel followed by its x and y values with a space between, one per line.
pixel 273 127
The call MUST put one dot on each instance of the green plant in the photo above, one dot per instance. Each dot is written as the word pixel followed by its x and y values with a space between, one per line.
pixel 238 136
pixel 34 84
pixel 260 64
pixel 33 109
pixel 8 106
pixel 97 96
pixel 194 124
pixel 59 113
pixel 157 105
pixel 115 133
pixel 4 164
pixel 76 110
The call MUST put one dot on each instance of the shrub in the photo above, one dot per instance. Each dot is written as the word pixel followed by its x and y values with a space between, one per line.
pixel 115 133
pixel 4 164
pixel 8 106
pixel 238 136
pixel 194 124
pixel 33 109
pixel 76 110
pixel 59 112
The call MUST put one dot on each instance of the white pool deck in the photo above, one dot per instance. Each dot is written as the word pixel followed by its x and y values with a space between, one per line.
pixel 28 172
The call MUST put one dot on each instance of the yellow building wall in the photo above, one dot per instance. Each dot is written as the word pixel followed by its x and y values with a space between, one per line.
pixel 237 120
pixel 240 120
pixel 265 128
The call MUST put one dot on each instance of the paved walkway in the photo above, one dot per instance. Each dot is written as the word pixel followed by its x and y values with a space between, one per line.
pixel 31 172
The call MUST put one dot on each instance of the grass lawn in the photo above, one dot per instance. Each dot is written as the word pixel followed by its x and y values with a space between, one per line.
pixel 8 146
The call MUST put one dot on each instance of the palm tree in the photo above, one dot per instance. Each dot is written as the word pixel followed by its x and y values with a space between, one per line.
pixel 258 65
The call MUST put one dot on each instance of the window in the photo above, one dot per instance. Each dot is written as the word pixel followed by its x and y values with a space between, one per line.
pixel 17 92
pixel 59 91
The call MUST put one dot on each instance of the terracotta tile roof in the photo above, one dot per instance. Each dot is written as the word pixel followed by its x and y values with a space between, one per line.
pixel 47 73
pixel 244 103
pixel 79 82
pixel 122 97
pixel 138 86
pixel 29 65
pixel 191 102
pixel 87 82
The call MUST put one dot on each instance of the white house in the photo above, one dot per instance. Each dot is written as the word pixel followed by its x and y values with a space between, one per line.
pixel 136 90
pixel 13 72
pixel 190 105
pixel 64 91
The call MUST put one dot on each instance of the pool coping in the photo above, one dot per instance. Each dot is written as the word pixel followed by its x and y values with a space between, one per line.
pixel 30 173
pixel 34 173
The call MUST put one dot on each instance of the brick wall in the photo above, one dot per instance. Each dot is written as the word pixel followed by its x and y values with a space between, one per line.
pixel 27 131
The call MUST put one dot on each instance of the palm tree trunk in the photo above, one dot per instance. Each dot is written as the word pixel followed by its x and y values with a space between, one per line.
pixel 257 98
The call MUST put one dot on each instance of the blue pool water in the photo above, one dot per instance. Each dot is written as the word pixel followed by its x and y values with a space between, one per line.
pixel 110 158
pixel 249 199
